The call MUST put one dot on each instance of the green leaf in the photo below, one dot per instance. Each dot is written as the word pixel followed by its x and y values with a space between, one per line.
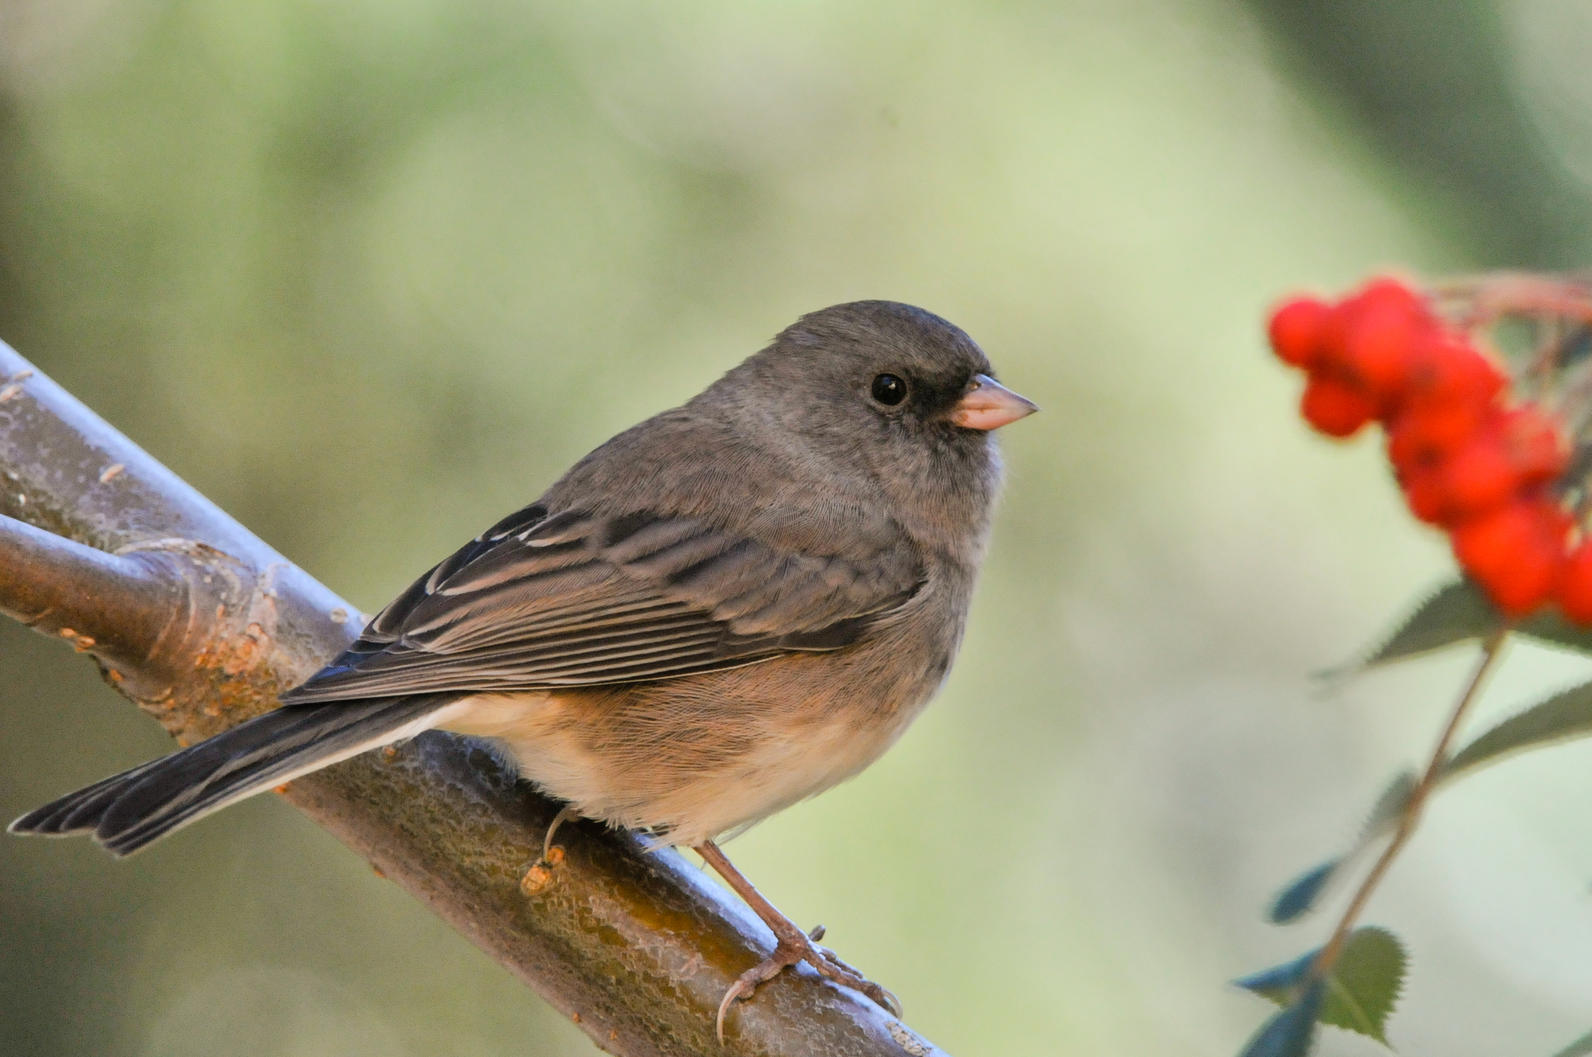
pixel 1289 1032
pixel 1459 612
pixel 1358 994
pixel 1364 986
pixel 1304 891
pixel 1562 717
pixel 1388 807
pixel 1579 1048
pixel 1280 983
pixel 1553 629
pixel 1301 894
pixel 1454 613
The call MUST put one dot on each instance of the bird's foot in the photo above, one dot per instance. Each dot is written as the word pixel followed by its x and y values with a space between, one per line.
pixel 793 948
pixel 565 813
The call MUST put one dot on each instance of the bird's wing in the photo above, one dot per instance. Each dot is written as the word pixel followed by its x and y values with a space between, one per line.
pixel 545 600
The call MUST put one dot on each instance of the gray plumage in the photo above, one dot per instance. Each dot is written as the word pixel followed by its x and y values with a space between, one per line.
pixel 727 608
pixel 127 811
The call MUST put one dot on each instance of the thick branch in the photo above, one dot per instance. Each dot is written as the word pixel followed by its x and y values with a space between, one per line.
pixel 202 624
pixel 116 607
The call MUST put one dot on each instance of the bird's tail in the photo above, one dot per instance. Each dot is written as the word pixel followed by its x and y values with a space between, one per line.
pixel 128 810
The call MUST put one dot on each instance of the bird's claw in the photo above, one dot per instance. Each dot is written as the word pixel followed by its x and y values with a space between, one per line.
pixel 792 950
pixel 842 973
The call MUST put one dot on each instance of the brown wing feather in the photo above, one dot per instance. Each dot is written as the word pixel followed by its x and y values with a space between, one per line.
pixel 544 600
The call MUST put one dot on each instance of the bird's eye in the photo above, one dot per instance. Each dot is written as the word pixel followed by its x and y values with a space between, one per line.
pixel 889 390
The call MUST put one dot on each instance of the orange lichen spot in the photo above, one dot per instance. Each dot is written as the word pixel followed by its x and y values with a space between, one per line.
pixel 111 472
pixel 575 1017
pixel 9 391
pixel 537 878
pixel 389 752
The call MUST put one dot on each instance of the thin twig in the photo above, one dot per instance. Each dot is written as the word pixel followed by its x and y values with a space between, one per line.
pixel 1410 817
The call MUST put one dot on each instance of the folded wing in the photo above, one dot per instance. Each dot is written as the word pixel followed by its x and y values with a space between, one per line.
pixel 559 599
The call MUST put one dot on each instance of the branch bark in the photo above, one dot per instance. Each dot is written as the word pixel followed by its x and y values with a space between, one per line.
pixel 202 624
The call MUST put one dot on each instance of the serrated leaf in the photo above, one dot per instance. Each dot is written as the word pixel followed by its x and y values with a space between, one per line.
pixel 1280 983
pixel 1579 1048
pixel 1459 612
pixel 1548 626
pixel 1454 613
pixel 1364 986
pixel 1564 716
pixel 1358 994
pixel 1302 893
pixel 1388 807
pixel 1289 1032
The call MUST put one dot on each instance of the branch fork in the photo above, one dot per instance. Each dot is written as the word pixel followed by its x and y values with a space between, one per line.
pixel 202 624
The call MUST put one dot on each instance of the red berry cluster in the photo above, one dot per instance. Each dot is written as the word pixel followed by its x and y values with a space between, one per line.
pixel 1486 469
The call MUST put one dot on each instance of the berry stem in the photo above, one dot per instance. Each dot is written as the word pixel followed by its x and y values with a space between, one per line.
pixel 1488 298
pixel 1410 817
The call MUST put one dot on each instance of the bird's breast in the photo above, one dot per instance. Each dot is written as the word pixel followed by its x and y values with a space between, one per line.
pixel 702 755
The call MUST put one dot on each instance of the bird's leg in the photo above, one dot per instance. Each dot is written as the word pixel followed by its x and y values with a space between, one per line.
pixel 792 945
pixel 565 813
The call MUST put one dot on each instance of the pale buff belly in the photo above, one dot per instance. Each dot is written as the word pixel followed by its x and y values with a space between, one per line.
pixel 699 757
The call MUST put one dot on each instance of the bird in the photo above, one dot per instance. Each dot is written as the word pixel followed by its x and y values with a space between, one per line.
pixel 728 608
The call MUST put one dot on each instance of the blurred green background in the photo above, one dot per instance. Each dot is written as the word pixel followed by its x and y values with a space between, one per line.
pixel 370 274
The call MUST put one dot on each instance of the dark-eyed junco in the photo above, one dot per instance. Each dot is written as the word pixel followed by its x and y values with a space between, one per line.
pixel 732 606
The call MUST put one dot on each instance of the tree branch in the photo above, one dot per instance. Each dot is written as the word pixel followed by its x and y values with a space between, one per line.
pixel 116 603
pixel 202 624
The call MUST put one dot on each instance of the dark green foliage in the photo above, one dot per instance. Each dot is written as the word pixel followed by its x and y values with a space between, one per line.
pixel 1358 993
pixel 1301 895
pixel 1563 717
pixel 1290 1032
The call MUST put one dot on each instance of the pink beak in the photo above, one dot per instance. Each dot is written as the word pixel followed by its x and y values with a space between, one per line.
pixel 989 405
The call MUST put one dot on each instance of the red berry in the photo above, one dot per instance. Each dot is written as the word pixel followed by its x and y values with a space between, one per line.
pixel 1335 407
pixel 1379 351
pixel 1423 493
pixel 1448 369
pixel 1575 589
pixel 1480 473
pixel 1424 434
pixel 1295 330
pixel 1516 553
pixel 1388 292
pixel 1480 476
pixel 1536 446
pixel 1379 328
